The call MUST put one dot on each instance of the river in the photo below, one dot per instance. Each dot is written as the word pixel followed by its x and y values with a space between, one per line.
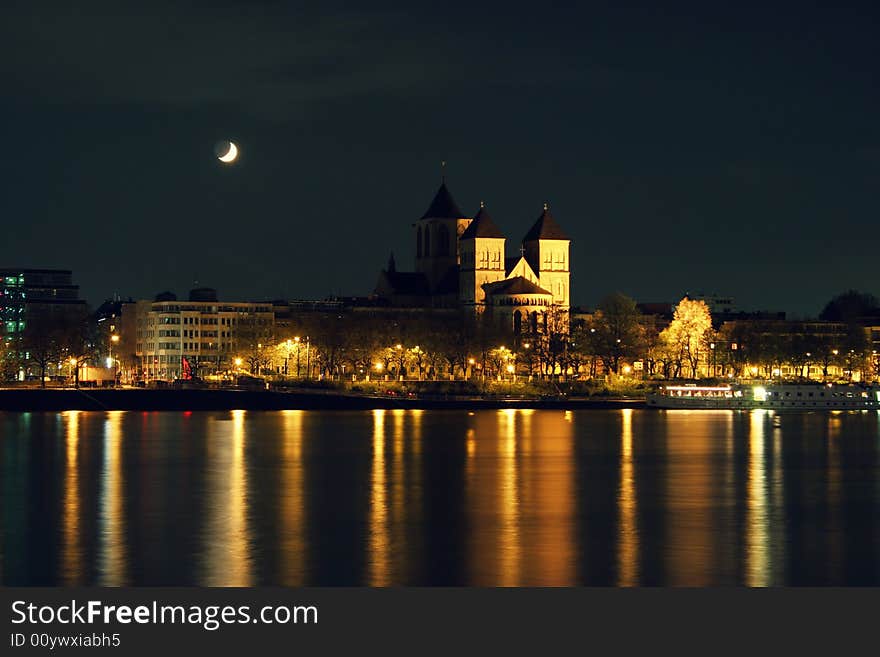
pixel 486 498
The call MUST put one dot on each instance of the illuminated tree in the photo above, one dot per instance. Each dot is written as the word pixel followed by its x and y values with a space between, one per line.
pixel 685 336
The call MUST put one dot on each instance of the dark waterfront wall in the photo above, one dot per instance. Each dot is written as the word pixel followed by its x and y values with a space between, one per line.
pixel 127 399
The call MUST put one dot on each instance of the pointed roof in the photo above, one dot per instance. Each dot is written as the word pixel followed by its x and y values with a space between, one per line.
pixel 545 228
pixel 481 226
pixel 515 285
pixel 443 206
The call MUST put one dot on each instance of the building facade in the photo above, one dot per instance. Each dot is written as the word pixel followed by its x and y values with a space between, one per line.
pixel 199 337
pixel 30 296
pixel 41 315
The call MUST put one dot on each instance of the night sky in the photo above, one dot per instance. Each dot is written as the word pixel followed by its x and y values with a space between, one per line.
pixel 684 147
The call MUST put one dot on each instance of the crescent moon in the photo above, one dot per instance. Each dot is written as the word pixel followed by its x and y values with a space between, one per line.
pixel 230 155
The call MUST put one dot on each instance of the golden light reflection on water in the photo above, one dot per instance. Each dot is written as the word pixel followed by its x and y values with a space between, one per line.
pixel 627 503
pixel 777 519
pixel 228 561
pixel 292 508
pixel 833 488
pixel 509 548
pixel 396 496
pixel 397 488
pixel 112 556
pixel 519 492
pixel 548 551
pixel 690 487
pixel 533 498
pixel 71 546
pixel 378 558
pixel 410 505
pixel 757 565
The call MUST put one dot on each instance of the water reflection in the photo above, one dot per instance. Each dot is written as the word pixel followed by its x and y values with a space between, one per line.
pixel 71 542
pixel 227 553
pixel 757 535
pixel 379 557
pixel 520 499
pixel 292 507
pixel 833 493
pixel 515 497
pixel 627 504
pixel 509 547
pixel 112 555
pixel 692 549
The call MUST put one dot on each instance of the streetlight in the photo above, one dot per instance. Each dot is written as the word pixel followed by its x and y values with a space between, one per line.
pixel 296 339
pixel 289 344
pixel 418 352
pixel 110 361
pixel 714 369
pixel 308 361
pixel 400 361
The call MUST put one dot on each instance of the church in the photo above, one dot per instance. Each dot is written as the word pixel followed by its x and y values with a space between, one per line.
pixel 462 262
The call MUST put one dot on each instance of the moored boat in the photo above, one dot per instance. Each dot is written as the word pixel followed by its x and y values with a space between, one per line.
pixel 769 395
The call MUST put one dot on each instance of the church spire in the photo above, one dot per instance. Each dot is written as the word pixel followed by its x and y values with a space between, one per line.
pixel 545 228
pixel 392 266
pixel 443 206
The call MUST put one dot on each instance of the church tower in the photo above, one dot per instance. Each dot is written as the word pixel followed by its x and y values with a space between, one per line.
pixel 437 235
pixel 546 249
pixel 482 258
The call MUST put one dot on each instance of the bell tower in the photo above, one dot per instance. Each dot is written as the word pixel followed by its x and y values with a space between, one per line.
pixel 437 234
pixel 547 248
pixel 482 258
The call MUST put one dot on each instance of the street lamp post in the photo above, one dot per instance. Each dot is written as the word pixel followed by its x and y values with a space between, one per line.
pixel 296 339
pixel 308 361
pixel 113 338
pixel 289 345
pixel 400 360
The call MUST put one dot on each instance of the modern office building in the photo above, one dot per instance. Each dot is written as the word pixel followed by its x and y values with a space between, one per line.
pixel 199 337
pixel 29 297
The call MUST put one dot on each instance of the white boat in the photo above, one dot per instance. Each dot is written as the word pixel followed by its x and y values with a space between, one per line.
pixel 781 396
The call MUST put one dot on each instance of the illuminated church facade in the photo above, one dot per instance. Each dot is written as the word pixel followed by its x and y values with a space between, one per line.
pixel 462 261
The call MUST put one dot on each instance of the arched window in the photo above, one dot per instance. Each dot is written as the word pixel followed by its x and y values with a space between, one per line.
pixel 533 320
pixel 517 322
pixel 427 241
pixel 419 242
pixel 443 241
